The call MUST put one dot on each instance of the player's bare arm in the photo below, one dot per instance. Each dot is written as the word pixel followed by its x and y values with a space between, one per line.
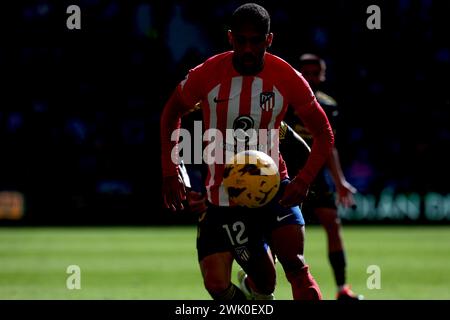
pixel 317 123
pixel 344 189
pixel 173 189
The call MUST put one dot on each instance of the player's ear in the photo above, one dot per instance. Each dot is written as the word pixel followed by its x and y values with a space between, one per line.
pixel 269 40
pixel 230 37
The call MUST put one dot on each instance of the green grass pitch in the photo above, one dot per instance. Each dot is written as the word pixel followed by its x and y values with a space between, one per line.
pixel 160 263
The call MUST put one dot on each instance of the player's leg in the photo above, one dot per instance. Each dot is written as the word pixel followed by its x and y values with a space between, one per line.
pixel 287 242
pixel 329 219
pixel 216 272
pixel 215 255
pixel 325 210
pixel 287 237
pixel 257 279
pixel 251 252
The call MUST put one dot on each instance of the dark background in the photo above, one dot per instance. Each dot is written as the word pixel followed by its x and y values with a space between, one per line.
pixel 80 109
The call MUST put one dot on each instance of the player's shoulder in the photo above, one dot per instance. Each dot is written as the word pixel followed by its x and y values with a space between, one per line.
pixel 281 71
pixel 215 61
pixel 279 63
pixel 325 99
pixel 291 84
pixel 209 72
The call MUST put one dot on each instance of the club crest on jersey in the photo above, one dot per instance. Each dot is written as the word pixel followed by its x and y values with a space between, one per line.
pixel 242 253
pixel 267 100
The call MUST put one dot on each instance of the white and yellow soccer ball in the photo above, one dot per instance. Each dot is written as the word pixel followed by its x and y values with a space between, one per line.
pixel 251 179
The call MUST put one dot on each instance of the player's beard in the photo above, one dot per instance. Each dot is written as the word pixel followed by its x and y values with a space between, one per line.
pixel 248 64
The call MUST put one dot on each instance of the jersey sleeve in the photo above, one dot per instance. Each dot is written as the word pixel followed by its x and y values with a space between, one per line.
pixel 331 108
pixel 191 88
pixel 306 107
pixel 299 91
pixel 183 100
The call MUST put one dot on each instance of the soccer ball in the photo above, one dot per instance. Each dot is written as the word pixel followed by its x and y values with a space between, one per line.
pixel 251 179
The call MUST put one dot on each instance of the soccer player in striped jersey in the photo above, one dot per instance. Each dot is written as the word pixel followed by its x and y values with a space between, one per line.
pixel 242 88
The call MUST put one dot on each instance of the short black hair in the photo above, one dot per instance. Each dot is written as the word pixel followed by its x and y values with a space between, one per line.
pixel 251 14
pixel 310 58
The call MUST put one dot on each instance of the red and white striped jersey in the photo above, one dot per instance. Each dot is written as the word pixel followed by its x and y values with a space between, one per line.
pixel 227 96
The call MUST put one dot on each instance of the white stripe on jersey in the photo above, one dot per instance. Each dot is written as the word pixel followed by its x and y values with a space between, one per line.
pixel 213 106
pixel 211 169
pixel 276 109
pixel 233 112
pixel 255 108
pixel 223 196
pixel 234 102
pixel 212 124
pixel 274 137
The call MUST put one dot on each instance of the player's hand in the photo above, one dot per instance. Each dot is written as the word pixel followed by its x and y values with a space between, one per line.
pixel 174 192
pixel 197 202
pixel 345 193
pixel 294 193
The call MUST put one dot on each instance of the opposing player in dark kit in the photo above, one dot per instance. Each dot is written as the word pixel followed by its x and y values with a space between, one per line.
pixel 321 201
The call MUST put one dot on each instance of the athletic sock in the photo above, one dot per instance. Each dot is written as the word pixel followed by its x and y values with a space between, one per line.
pixel 338 263
pixel 304 287
pixel 232 293
pixel 250 293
